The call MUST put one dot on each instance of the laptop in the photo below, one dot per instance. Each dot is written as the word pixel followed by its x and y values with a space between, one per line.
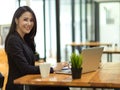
pixel 91 60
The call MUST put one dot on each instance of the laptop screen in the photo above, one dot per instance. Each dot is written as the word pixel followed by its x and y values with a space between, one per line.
pixel 91 58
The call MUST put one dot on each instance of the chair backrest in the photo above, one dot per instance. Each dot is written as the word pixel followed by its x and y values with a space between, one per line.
pixel 3 67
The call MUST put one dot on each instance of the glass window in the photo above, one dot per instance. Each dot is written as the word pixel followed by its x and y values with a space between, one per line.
pixel 46 32
pixel 77 21
pixel 50 16
pixel 65 26
pixel 37 6
pixel 83 21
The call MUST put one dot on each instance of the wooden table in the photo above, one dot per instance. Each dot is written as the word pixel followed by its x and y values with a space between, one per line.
pixel 108 76
pixel 86 44
pixel 55 80
pixel 89 44
pixel 109 53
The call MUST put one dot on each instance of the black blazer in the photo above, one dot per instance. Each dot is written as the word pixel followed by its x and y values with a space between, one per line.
pixel 21 60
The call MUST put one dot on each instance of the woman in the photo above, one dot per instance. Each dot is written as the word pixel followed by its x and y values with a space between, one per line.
pixel 20 48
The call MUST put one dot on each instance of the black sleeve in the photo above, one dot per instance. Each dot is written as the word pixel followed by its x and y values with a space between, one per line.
pixel 18 59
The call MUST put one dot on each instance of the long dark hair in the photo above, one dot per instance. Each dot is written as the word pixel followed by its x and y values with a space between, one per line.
pixel 29 38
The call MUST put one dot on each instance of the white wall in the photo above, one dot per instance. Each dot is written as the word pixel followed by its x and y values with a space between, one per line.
pixel 7 8
pixel 110 32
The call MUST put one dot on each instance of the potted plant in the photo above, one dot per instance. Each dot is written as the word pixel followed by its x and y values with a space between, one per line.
pixel 76 65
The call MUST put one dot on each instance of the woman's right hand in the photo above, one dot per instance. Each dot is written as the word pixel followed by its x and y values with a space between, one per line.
pixel 60 66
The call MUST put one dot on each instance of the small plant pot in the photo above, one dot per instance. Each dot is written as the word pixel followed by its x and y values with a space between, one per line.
pixel 76 73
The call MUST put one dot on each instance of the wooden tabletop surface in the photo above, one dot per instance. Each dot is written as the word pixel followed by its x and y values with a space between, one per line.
pixel 88 44
pixel 107 76
pixel 55 80
pixel 115 51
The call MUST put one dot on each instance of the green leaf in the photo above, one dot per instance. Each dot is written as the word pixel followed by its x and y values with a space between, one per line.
pixel 76 60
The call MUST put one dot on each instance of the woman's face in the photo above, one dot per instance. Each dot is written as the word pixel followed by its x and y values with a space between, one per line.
pixel 24 23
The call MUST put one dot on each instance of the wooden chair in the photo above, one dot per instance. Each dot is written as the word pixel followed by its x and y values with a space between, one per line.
pixel 3 66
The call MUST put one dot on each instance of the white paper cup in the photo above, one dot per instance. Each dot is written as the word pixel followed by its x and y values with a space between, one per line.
pixel 44 69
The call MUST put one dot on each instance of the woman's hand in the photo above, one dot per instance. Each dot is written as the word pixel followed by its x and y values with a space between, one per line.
pixel 60 66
